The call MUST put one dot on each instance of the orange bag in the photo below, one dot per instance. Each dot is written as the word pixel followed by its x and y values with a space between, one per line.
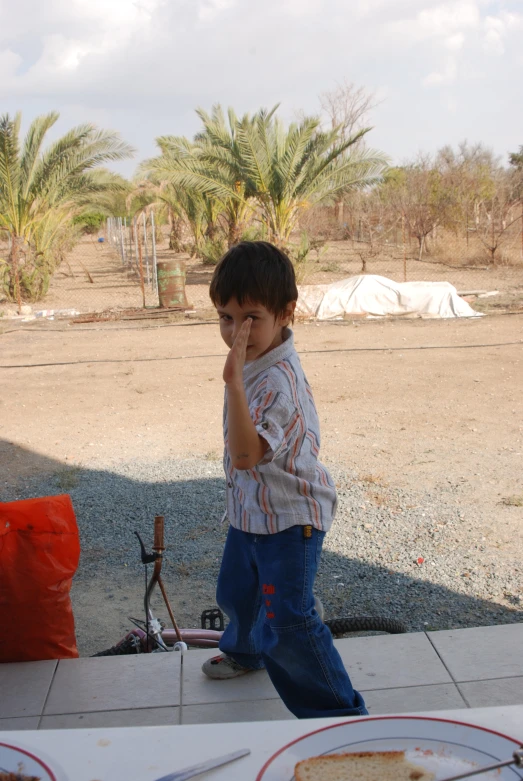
pixel 39 553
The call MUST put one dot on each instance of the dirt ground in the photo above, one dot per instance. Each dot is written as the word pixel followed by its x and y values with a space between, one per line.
pixel 410 403
pixel 93 278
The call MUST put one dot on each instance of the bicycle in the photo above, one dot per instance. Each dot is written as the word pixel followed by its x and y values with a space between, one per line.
pixel 152 636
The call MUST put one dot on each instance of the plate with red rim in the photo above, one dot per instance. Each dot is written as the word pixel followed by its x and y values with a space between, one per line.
pixel 23 761
pixel 441 746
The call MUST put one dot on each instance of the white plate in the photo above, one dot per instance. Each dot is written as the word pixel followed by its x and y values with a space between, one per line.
pixel 443 747
pixel 15 759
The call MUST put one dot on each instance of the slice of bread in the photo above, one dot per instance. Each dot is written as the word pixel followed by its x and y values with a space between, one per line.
pixel 362 766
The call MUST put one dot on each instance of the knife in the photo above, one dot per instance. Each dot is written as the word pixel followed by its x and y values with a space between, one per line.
pixel 203 767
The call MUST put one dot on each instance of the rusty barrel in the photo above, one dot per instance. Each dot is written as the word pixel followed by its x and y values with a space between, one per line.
pixel 171 283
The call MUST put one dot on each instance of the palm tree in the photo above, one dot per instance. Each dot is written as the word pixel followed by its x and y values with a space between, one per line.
pixel 218 150
pixel 41 189
pixel 210 166
pixel 200 210
pixel 285 170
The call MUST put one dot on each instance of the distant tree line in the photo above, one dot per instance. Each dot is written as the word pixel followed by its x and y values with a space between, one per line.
pixel 249 176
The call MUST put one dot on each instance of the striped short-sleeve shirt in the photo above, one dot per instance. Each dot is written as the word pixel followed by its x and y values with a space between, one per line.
pixel 290 486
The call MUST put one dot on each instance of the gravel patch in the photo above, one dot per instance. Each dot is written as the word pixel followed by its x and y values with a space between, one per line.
pixel 419 557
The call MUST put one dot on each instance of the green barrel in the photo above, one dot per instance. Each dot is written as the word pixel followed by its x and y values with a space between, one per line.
pixel 171 283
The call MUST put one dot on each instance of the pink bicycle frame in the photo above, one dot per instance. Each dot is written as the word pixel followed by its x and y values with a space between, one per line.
pixel 201 638
pixel 165 638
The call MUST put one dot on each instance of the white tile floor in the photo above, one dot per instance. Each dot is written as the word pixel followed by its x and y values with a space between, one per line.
pixel 397 674
pixel 120 683
pixel 138 717
pixel 24 688
pixel 480 694
pixel 473 654
pixel 386 661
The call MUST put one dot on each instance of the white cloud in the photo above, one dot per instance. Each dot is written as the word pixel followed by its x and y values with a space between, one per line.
pixel 60 54
pixel 143 65
pixel 445 26
pixel 442 21
pixel 454 42
pixel 451 104
pixel 210 9
pixel 494 35
pixel 9 64
pixel 389 11
pixel 228 44
pixel 447 18
pixel 498 28
pixel 299 8
pixel 513 21
pixel 447 75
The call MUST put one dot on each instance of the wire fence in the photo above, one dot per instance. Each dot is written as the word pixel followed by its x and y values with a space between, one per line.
pixel 112 272
pixel 134 240
pixel 116 270
pixel 483 261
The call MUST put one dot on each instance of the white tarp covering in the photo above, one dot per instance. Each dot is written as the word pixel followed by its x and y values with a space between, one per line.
pixel 378 296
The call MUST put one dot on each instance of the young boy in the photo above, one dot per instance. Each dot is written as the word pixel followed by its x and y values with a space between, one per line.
pixel 280 499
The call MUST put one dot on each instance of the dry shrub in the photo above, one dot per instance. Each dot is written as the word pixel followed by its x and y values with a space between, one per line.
pixel 454 250
pixel 320 222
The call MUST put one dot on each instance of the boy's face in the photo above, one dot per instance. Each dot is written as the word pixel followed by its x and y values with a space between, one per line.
pixel 266 328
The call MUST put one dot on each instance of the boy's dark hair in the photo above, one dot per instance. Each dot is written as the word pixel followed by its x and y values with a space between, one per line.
pixel 254 271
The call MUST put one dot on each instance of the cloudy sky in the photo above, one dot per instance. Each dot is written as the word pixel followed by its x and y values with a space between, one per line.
pixel 443 71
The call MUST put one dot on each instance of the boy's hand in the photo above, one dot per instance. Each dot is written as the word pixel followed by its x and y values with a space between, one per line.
pixel 233 369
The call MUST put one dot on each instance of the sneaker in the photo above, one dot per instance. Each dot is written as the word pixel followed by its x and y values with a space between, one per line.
pixel 223 666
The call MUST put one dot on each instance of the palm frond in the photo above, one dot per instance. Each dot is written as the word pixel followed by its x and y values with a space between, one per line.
pixel 32 148
pixel 234 161
pixel 10 170
pixel 359 170
pixel 255 160
pixel 81 149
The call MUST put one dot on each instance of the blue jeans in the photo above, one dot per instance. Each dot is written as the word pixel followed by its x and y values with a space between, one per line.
pixel 265 587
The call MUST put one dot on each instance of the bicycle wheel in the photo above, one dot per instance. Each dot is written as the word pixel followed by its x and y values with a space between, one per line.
pixel 125 647
pixel 340 626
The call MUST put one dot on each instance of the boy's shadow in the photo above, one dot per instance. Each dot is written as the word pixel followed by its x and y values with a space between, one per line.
pixel 111 505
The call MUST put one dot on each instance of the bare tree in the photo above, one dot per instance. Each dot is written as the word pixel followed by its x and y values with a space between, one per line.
pixel 485 195
pixel 516 159
pixel 469 172
pixel 347 107
pixel 499 214
pixel 374 231
pixel 516 163
pixel 419 195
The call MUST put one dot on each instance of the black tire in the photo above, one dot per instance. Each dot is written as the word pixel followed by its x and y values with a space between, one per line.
pixel 124 648
pixel 340 626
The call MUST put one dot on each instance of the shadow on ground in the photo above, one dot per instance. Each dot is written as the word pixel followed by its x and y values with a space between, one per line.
pixel 112 503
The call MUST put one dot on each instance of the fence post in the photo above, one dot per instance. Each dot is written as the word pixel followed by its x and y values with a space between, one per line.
pixel 153 240
pixel 121 241
pixel 130 242
pixel 135 229
pixel 140 266
pixel 125 239
pixel 145 248
pixel 404 247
